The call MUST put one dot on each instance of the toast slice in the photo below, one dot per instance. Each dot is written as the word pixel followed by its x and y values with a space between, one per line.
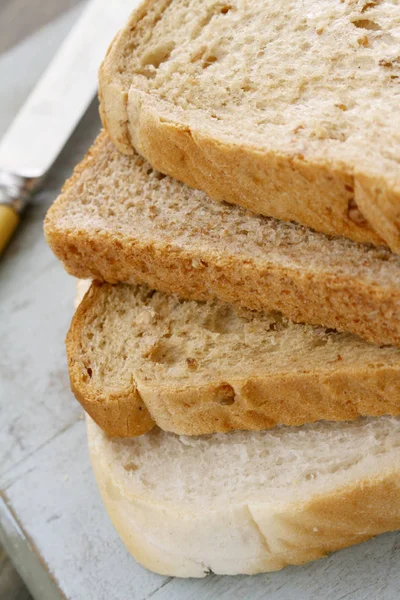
pixel 290 109
pixel 139 357
pixel 249 502
pixel 119 220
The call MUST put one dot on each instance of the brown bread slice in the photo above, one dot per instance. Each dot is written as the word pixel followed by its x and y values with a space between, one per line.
pixel 138 357
pixel 289 108
pixel 119 220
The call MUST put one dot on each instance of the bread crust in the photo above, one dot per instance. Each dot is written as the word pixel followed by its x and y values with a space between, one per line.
pixel 250 403
pixel 120 413
pixel 287 186
pixel 267 537
pixel 340 302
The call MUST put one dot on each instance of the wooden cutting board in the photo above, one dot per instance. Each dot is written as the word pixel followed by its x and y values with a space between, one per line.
pixel 52 522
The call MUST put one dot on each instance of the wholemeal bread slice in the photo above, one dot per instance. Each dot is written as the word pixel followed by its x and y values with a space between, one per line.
pixel 289 108
pixel 138 357
pixel 119 220
pixel 249 502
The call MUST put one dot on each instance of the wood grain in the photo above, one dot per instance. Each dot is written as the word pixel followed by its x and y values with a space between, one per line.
pixel 19 19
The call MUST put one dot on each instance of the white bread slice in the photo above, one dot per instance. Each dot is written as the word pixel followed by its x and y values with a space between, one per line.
pixel 139 357
pixel 249 502
pixel 118 220
pixel 289 108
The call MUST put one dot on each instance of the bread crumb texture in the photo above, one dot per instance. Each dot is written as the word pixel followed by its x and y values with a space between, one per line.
pixel 254 466
pixel 129 331
pixel 120 220
pixel 249 502
pixel 328 68
pixel 139 357
pixel 252 101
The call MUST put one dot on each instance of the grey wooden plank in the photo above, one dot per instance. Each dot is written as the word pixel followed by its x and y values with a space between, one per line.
pixel 11 585
pixel 30 63
pixel 36 305
pixel 31 566
pixel 35 308
pixel 56 498
pixel 25 422
pixel 19 18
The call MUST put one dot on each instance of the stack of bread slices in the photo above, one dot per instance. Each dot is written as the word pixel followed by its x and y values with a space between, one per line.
pixel 239 217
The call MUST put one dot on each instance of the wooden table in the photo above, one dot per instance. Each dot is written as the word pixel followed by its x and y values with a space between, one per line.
pixel 52 522
pixel 18 19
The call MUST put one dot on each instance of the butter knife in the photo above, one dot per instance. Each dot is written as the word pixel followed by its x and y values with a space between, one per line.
pixel 54 108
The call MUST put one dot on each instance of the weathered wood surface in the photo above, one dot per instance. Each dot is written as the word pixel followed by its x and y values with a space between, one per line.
pixel 19 19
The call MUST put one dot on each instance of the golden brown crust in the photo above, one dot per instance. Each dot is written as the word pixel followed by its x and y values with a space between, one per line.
pixel 319 195
pixel 113 100
pixel 313 194
pixel 257 403
pixel 341 518
pixel 121 413
pixel 252 403
pixel 312 297
pixel 293 534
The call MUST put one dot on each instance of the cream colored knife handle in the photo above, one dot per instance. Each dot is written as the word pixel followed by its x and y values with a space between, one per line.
pixel 15 192
pixel 9 220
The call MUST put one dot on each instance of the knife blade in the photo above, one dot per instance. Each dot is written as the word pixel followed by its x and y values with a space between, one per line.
pixel 54 108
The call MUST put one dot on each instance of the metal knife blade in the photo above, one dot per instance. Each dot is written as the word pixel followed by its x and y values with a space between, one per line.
pixel 52 111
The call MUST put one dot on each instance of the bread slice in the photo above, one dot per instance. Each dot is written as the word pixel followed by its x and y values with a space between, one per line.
pixel 290 109
pixel 138 357
pixel 119 220
pixel 249 502
pixel 118 408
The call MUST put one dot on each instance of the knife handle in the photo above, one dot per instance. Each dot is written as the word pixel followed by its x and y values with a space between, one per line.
pixel 15 192
pixel 9 220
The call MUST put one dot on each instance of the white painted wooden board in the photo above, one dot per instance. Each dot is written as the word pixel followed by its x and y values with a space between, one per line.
pixel 51 518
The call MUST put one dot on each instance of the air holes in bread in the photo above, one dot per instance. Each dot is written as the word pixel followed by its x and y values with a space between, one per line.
pixel 225 9
pixel 355 214
pixel 366 24
pixel 212 12
pixel 163 353
pixel 72 249
pixel 225 394
pixel 89 371
pixel 158 55
pixel 389 63
pixel 191 363
pixel 369 5
pixel 320 341
pixel 131 467
pixel 224 320
pixel 209 60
